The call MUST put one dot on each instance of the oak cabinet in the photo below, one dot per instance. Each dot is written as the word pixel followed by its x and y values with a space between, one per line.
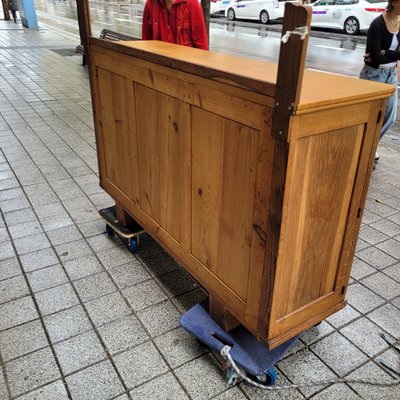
pixel 267 225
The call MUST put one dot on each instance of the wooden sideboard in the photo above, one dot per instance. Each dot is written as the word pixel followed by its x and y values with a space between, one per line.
pixel 252 175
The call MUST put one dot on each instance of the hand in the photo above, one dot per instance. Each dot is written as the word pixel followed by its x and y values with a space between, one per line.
pixel 367 57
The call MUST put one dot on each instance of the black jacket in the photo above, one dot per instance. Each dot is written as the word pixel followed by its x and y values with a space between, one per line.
pixel 379 38
pixel 13 5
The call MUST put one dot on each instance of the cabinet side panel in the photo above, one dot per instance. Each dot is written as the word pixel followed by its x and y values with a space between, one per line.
pixel 116 98
pixel 224 159
pixel 321 178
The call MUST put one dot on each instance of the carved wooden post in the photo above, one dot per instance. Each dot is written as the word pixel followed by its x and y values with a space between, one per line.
pixel 292 58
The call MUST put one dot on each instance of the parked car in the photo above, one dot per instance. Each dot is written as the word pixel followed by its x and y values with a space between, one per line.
pixel 350 15
pixel 261 10
pixel 218 7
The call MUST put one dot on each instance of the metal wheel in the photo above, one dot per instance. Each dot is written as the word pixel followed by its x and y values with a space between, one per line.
pixel 109 230
pixel 268 379
pixel 231 14
pixel 133 245
pixel 351 26
pixel 264 17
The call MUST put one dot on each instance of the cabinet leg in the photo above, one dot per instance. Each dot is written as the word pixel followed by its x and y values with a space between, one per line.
pixel 221 315
pixel 123 217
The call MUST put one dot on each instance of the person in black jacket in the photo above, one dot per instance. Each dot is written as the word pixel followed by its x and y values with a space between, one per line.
pixel 13 7
pixel 380 59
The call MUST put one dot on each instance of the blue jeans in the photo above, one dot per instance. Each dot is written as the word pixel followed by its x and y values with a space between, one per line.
pixel 385 75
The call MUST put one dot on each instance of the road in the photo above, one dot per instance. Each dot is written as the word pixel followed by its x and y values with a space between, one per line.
pixel 330 52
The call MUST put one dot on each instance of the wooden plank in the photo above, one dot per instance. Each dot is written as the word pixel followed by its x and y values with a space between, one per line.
pixel 116 99
pixel 301 320
pixel 149 149
pixel 281 152
pixel 175 166
pixel 372 135
pixel 97 119
pixel 262 198
pixel 337 91
pixel 122 216
pixel 336 87
pixel 164 160
pixel 113 59
pixel 223 187
pixel 203 275
pixel 219 67
pixel 207 146
pixel 290 74
pixel 328 120
pixel 320 182
pixel 289 79
pixel 218 99
pixel 221 315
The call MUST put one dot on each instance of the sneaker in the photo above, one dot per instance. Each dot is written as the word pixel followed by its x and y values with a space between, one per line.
pixel 377 157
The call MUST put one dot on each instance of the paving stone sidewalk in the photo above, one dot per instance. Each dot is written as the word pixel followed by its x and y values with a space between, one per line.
pixel 82 318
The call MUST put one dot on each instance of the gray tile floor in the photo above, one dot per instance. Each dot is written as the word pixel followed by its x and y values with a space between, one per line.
pixel 82 318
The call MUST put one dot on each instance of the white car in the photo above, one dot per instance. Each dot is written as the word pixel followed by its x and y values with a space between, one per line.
pixel 261 10
pixel 350 15
pixel 218 6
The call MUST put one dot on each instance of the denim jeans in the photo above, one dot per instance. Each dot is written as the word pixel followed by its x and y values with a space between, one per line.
pixel 385 75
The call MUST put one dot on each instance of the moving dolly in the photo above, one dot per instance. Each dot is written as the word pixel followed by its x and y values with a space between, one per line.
pixel 113 225
pixel 246 351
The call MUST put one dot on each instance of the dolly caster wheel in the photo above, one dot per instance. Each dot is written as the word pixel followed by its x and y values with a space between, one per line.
pixel 109 230
pixel 133 245
pixel 269 378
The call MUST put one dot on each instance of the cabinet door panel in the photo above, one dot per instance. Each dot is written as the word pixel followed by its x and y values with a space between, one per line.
pixel 224 158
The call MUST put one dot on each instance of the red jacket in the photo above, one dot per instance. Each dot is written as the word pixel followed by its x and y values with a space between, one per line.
pixel 183 24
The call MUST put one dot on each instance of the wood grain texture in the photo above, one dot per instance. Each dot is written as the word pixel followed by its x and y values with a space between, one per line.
pixel 268 227
pixel 290 75
pixel 236 104
pixel 223 183
pixel 221 315
pixel 317 198
pixel 116 98
pixel 164 160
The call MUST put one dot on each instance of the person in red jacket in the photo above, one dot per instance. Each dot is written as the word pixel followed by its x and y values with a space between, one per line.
pixel 175 21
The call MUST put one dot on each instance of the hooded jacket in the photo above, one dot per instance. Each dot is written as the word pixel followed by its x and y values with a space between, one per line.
pixel 183 24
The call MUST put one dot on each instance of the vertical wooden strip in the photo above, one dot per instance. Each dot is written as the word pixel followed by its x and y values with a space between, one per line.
pixel 149 131
pixel 272 239
pixel 236 208
pixel 207 142
pixel 371 140
pixel 288 86
pixel 220 314
pixel 290 74
pixel 174 116
pixel 262 195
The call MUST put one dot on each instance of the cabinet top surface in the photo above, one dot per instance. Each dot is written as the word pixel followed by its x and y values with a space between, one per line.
pixel 318 89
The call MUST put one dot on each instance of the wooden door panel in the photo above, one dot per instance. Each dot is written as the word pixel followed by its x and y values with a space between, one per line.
pixel 321 175
pixel 118 119
pixel 164 160
pixel 224 158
